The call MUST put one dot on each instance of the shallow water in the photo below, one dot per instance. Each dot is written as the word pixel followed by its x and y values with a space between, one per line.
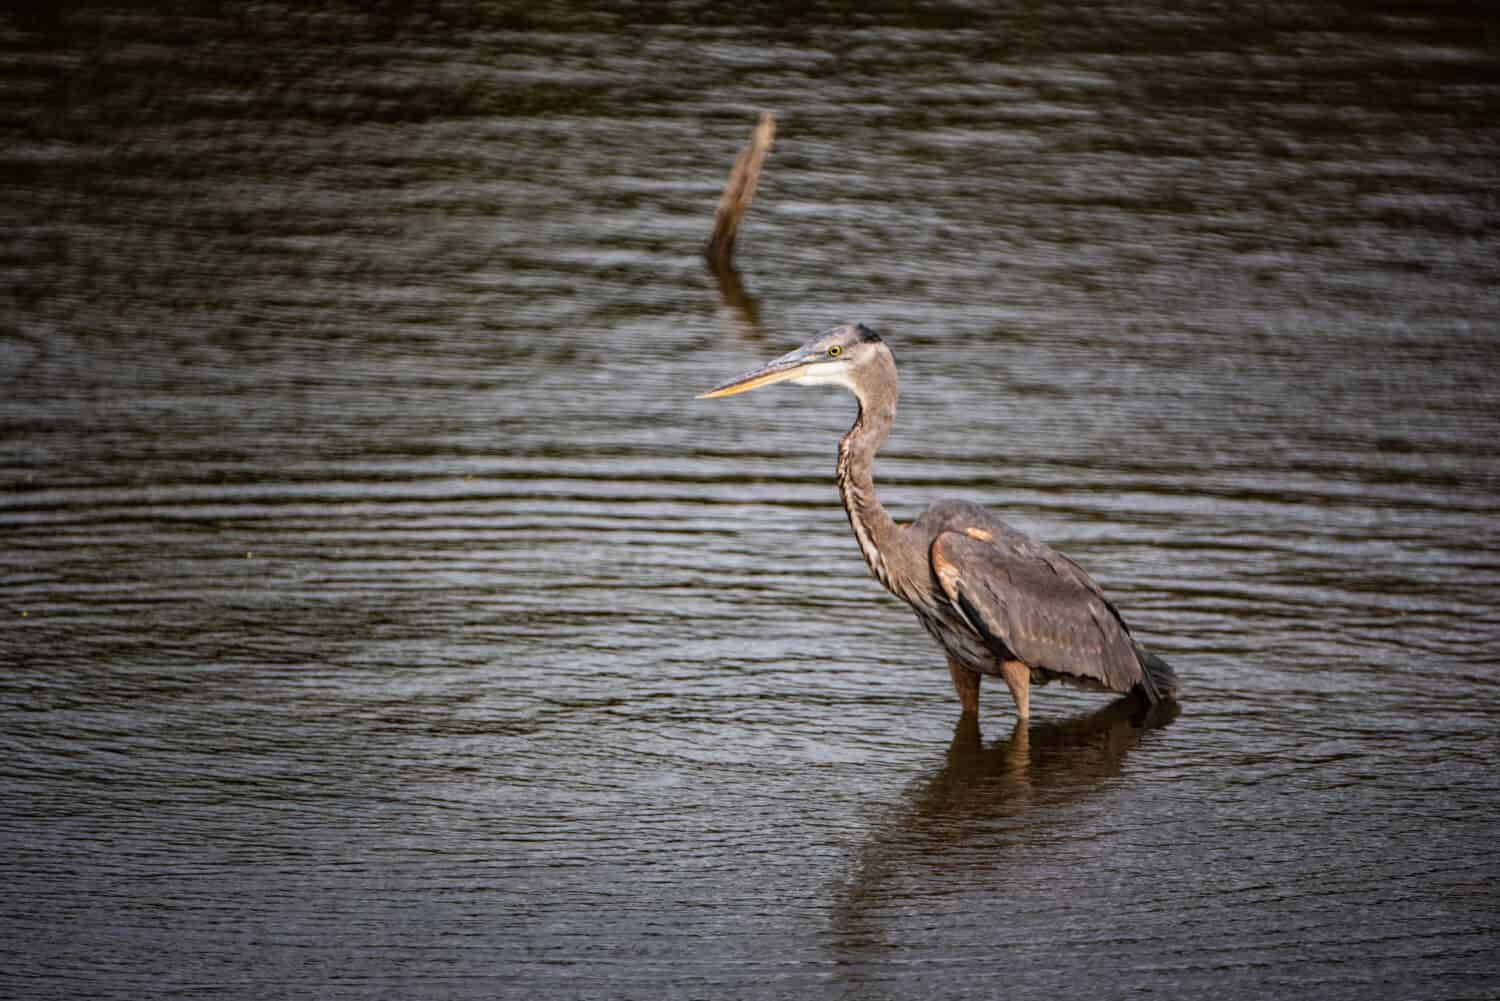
pixel 384 617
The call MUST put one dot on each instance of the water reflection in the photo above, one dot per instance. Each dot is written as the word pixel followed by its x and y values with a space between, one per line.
pixel 988 808
pixel 1036 762
pixel 742 309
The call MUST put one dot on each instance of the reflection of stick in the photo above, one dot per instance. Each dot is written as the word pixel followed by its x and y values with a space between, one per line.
pixel 738 192
pixel 741 304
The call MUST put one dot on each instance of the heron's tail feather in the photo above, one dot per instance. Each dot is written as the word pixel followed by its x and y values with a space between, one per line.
pixel 1158 680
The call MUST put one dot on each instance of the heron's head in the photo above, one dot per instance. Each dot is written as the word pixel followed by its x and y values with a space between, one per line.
pixel 840 356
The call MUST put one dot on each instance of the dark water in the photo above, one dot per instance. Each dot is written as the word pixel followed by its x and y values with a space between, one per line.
pixel 382 617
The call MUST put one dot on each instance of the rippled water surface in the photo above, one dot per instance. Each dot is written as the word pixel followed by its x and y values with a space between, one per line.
pixel 381 616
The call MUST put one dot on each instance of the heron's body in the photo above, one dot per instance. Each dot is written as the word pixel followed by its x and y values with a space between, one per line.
pixel 998 602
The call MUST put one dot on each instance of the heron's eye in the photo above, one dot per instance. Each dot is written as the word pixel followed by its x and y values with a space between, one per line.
pixel 835 351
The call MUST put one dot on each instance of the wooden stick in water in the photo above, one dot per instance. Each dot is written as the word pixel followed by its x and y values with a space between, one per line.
pixel 739 190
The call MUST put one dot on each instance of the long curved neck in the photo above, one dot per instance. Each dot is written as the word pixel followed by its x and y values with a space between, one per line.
pixel 874 529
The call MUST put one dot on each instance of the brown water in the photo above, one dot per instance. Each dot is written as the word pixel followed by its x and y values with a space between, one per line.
pixel 383 617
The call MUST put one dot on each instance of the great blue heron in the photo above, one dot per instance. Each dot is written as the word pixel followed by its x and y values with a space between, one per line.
pixel 997 601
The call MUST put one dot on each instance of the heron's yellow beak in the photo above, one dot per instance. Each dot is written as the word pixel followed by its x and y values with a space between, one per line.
pixel 789 366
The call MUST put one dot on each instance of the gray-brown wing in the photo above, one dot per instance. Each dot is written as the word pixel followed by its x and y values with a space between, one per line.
pixel 1028 600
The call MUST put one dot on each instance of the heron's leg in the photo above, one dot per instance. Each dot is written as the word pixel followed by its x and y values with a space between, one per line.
pixel 1018 679
pixel 966 684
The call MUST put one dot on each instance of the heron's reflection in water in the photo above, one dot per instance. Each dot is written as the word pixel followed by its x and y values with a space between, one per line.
pixel 1044 760
pixel 983 810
